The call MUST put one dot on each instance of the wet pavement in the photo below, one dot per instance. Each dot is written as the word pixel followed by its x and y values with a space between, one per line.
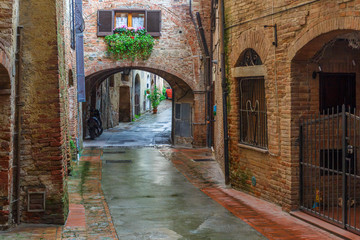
pixel 149 199
pixel 147 131
pixel 131 184
pixel 197 206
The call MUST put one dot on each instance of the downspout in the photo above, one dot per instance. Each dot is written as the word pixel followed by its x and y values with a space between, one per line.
pixel 201 39
pixel 207 79
pixel 211 86
pixel 18 114
pixel 225 92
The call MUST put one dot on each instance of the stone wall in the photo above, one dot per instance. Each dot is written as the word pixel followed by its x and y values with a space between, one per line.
pixel 301 25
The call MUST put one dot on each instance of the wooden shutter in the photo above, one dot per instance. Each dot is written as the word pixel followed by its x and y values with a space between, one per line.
pixel 105 22
pixel 153 22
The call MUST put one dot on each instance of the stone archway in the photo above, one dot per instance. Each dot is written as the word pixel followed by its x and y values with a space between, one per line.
pixel 183 94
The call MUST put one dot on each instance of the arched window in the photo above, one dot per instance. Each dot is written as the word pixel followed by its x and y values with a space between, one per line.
pixel 252 109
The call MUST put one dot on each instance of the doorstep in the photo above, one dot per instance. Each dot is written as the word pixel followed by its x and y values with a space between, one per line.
pixel 342 233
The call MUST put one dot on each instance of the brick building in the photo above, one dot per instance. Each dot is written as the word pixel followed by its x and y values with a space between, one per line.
pixel 38 91
pixel 287 61
pixel 41 86
pixel 177 57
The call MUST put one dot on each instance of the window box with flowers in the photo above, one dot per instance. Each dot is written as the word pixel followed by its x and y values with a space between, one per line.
pixel 130 43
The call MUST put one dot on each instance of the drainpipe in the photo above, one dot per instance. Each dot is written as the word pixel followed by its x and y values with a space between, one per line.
pixel 201 39
pixel 18 114
pixel 225 92
pixel 210 86
pixel 207 79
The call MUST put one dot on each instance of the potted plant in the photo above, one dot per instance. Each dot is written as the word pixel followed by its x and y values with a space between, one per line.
pixel 154 97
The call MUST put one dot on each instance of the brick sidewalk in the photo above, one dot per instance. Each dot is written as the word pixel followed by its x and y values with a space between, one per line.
pixel 266 218
pixel 89 216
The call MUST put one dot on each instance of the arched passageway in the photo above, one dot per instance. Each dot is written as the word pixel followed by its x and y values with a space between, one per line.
pixel 188 126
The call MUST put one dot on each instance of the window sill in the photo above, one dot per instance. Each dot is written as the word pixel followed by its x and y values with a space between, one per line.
pixel 241 145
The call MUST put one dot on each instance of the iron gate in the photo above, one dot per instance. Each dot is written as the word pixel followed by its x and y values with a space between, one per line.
pixel 329 167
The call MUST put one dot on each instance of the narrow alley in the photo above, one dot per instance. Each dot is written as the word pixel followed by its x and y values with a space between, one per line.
pixel 140 190
pixel 179 119
pixel 149 199
pixel 146 131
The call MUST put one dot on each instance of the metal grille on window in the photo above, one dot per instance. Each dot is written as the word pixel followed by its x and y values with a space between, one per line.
pixel 253 119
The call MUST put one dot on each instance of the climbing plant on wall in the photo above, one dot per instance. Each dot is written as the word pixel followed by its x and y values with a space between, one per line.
pixel 130 43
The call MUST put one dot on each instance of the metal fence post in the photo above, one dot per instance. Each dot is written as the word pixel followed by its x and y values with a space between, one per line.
pixel 343 158
pixel 301 165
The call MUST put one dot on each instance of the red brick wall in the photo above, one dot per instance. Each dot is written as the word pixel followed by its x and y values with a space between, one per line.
pixel 46 58
pixel 176 56
pixel 298 24
pixel 42 140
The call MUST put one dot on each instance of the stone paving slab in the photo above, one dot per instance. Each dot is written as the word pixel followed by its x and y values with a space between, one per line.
pixel 263 216
pixel 149 199
pixel 85 190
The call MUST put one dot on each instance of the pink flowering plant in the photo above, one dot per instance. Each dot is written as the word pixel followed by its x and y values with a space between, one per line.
pixel 130 43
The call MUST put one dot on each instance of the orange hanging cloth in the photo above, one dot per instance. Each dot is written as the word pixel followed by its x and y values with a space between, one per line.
pixel 169 93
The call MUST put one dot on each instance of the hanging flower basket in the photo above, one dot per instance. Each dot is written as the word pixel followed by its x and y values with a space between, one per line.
pixel 130 43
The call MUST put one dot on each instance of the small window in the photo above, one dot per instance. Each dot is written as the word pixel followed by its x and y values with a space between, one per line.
pixel 138 20
pixel 110 19
pixel 129 19
pixel 121 19
pixel 253 119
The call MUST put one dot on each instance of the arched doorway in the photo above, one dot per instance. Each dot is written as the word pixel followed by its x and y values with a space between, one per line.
pixel 325 95
pixel 137 95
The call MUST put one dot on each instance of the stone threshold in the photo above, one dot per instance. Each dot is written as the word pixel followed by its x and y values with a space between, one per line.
pixel 333 229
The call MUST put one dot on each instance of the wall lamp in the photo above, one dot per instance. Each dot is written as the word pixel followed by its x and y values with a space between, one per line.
pixel 275 43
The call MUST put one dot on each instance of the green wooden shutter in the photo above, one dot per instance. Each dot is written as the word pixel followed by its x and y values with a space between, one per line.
pixel 153 22
pixel 105 22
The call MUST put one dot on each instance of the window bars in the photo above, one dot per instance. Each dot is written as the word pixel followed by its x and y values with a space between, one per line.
pixel 253 118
